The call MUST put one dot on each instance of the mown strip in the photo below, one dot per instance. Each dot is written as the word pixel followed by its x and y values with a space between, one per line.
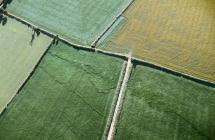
pixel 69 96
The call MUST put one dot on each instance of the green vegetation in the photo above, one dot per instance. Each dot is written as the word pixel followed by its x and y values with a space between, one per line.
pixel 18 56
pixel 78 21
pixel 67 98
pixel 159 106
pixel 69 95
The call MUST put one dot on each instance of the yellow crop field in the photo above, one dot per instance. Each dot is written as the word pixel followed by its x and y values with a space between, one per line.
pixel 177 34
pixel 18 57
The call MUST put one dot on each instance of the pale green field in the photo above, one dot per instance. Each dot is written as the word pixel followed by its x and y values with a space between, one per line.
pixel 18 57
pixel 79 21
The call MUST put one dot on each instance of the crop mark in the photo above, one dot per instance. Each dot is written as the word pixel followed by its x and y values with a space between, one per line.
pixel 190 123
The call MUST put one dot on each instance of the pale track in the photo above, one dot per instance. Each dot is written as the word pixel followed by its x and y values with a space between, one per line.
pixel 114 102
pixel 118 108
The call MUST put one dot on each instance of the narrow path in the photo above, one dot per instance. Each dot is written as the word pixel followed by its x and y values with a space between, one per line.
pixel 118 107
pixel 115 54
pixel 114 102
pixel 111 24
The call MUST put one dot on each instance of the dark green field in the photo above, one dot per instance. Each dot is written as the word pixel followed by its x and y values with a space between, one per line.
pixel 68 98
pixel 159 106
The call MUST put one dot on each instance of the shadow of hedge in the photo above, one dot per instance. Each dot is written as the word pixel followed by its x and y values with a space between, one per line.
pixel 5 3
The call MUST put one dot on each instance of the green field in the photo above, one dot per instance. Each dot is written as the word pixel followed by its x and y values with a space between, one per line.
pixel 17 57
pixel 78 21
pixel 159 106
pixel 68 98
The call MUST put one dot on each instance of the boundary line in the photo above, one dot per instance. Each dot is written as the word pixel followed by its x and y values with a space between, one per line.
pixel 114 102
pixel 93 45
pixel 114 54
pixel 173 72
pixel 28 77
pixel 121 96
pixel 44 31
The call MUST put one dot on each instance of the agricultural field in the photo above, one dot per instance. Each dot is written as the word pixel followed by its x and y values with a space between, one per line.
pixel 160 106
pixel 18 56
pixel 80 22
pixel 60 87
pixel 179 35
pixel 68 97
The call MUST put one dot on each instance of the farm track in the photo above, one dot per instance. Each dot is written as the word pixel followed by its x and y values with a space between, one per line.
pixel 115 54
pixel 119 104
pixel 79 81
pixel 158 105
pixel 130 59
pixel 114 102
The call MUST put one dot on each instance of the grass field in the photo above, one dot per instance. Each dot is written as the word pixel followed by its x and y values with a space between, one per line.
pixel 78 21
pixel 17 57
pixel 68 98
pixel 159 106
pixel 176 34
pixel 69 95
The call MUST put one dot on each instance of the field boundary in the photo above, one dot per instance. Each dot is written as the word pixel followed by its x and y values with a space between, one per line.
pixel 120 100
pixel 204 82
pixel 93 45
pixel 114 54
pixel 114 102
pixel 28 77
